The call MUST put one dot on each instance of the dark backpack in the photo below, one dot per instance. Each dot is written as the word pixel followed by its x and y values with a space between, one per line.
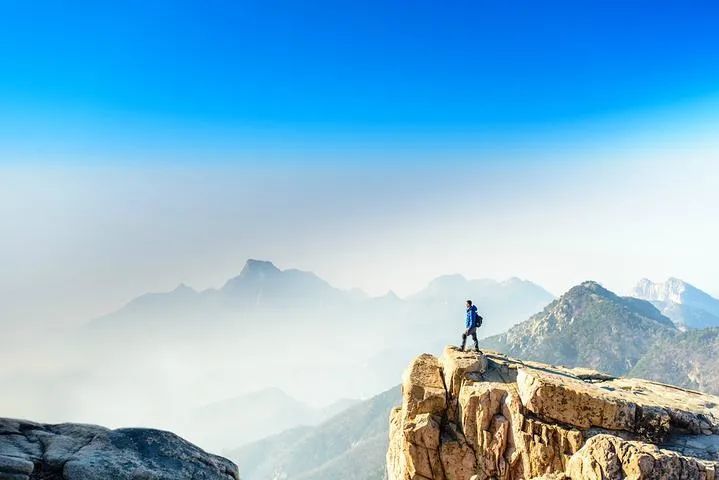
pixel 478 319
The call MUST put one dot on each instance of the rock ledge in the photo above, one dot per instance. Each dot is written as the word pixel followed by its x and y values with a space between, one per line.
pixel 468 416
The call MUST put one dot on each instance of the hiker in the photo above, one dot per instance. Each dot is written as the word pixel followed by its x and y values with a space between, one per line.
pixel 471 323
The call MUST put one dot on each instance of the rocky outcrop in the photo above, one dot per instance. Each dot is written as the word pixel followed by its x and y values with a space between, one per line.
pixel 468 416
pixel 30 451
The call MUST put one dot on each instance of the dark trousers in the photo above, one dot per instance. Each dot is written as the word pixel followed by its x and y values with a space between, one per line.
pixel 473 333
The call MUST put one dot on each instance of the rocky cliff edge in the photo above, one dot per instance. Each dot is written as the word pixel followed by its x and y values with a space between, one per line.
pixel 470 416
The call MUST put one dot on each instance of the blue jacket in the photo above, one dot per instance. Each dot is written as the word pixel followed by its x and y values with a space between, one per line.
pixel 471 320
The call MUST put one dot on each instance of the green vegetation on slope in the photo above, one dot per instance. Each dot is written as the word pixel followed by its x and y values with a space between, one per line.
pixel 687 360
pixel 588 326
pixel 350 445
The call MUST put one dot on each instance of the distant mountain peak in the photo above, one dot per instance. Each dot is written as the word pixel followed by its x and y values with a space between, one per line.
pixel 586 291
pixel 390 296
pixel 684 303
pixel 454 280
pixel 591 286
pixel 671 289
pixel 184 288
pixel 254 268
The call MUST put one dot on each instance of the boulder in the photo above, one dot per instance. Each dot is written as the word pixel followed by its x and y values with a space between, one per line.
pixel 30 451
pixel 423 387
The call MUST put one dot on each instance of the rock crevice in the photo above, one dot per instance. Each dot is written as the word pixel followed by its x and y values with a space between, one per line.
pixel 468 416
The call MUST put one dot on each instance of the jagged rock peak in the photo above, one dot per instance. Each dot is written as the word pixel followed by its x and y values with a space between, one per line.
pixel 467 416
pixel 685 304
pixel 69 451
pixel 672 290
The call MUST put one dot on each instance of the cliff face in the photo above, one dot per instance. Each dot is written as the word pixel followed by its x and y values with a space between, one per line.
pixel 30 451
pixel 485 416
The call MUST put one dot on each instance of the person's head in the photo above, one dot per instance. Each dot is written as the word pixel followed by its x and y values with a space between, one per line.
pixel 469 303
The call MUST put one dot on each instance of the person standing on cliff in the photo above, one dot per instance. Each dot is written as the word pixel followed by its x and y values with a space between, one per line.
pixel 471 323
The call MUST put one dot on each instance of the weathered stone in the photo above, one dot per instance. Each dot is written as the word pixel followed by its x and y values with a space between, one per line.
pixel 86 452
pixel 15 466
pixel 571 401
pixel 552 476
pixel 458 366
pixel 423 387
pixel 607 457
pixel 648 409
pixel 502 419
pixel 458 458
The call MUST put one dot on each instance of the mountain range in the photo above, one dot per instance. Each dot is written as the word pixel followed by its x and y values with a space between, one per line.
pixel 266 327
pixel 502 303
pixel 248 417
pixel 351 445
pixel 685 304
pixel 290 329
pixel 261 287
pixel 588 326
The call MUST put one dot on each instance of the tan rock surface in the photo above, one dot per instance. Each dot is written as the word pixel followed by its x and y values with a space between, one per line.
pixel 485 416
pixel 423 387
pixel 607 457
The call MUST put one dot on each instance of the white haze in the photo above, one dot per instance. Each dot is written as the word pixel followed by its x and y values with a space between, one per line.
pixel 163 356
pixel 78 242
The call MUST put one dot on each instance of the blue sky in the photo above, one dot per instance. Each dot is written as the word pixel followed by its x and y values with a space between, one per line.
pixel 93 76
pixel 379 144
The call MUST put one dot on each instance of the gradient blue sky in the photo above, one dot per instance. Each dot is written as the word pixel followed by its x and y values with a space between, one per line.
pixel 147 143
pixel 91 76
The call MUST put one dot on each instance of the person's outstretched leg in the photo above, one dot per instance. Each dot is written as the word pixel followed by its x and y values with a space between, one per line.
pixel 464 341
